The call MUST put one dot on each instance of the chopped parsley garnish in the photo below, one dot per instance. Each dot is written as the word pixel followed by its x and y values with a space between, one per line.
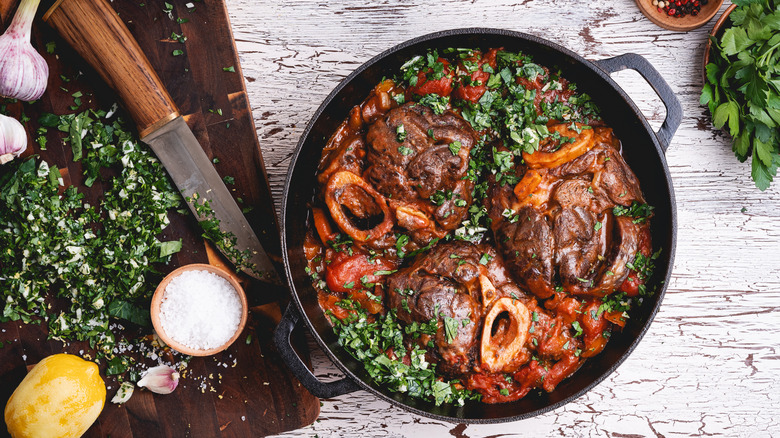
pixel 383 272
pixel 435 102
pixel 424 248
pixel 644 267
pixel 455 147
pixel 368 341
pixel 639 211
pixel 577 328
pixel 179 38
pixel 441 196
pixel 450 329
pixel 401 241
pixel 616 302
pixel 225 240
pixel 400 134
pixel 405 151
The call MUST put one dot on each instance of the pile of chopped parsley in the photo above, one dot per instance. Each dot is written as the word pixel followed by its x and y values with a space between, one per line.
pixel 97 261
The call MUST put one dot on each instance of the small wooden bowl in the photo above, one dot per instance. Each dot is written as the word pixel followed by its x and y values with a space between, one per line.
pixel 157 300
pixel 682 24
pixel 716 32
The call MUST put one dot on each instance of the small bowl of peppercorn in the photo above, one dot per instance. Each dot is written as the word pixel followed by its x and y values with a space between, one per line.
pixel 679 15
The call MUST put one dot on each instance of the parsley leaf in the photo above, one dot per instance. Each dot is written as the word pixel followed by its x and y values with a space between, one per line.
pixel 455 147
pixel 450 329
pixel 170 247
pixel 577 328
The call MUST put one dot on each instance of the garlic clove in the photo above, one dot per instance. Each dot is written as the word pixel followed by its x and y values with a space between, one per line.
pixel 124 393
pixel 13 139
pixel 160 379
pixel 24 73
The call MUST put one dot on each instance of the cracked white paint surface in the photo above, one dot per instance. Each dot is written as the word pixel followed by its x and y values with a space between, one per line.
pixel 709 364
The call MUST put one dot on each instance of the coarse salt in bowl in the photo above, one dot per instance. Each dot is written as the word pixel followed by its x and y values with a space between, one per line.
pixel 199 310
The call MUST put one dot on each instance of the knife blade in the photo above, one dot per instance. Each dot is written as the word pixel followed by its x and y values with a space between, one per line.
pixel 93 28
pixel 190 169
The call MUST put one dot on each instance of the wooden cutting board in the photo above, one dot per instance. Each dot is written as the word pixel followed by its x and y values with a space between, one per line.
pixel 258 396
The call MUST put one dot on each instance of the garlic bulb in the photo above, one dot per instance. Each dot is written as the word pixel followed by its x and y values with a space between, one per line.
pixel 13 139
pixel 23 71
pixel 160 379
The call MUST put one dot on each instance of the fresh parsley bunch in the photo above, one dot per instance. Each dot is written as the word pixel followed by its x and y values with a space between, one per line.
pixel 743 85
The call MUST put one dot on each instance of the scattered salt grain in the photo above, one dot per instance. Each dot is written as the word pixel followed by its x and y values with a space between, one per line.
pixel 200 309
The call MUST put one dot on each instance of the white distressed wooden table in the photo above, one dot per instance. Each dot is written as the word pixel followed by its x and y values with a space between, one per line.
pixel 709 364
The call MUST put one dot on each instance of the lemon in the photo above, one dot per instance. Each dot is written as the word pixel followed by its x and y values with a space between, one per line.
pixel 59 398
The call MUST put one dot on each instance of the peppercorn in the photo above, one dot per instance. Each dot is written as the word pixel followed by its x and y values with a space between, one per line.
pixel 679 8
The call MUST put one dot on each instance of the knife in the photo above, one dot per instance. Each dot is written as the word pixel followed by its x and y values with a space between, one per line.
pixel 94 29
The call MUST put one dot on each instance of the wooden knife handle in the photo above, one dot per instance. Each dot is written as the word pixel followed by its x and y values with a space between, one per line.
pixel 94 29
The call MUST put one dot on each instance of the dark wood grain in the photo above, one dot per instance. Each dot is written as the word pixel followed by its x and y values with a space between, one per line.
pixel 258 396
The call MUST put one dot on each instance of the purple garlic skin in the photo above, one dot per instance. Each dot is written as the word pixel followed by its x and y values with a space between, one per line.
pixel 161 379
pixel 13 139
pixel 24 73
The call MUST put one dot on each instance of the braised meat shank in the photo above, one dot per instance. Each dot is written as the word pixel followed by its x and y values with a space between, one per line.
pixel 411 162
pixel 456 285
pixel 557 223
pixel 401 167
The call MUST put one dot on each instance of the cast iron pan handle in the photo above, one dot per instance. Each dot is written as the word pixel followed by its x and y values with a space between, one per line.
pixel 674 110
pixel 296 365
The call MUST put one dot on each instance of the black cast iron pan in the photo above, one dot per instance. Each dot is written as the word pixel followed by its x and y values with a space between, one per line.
pixel 643 149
